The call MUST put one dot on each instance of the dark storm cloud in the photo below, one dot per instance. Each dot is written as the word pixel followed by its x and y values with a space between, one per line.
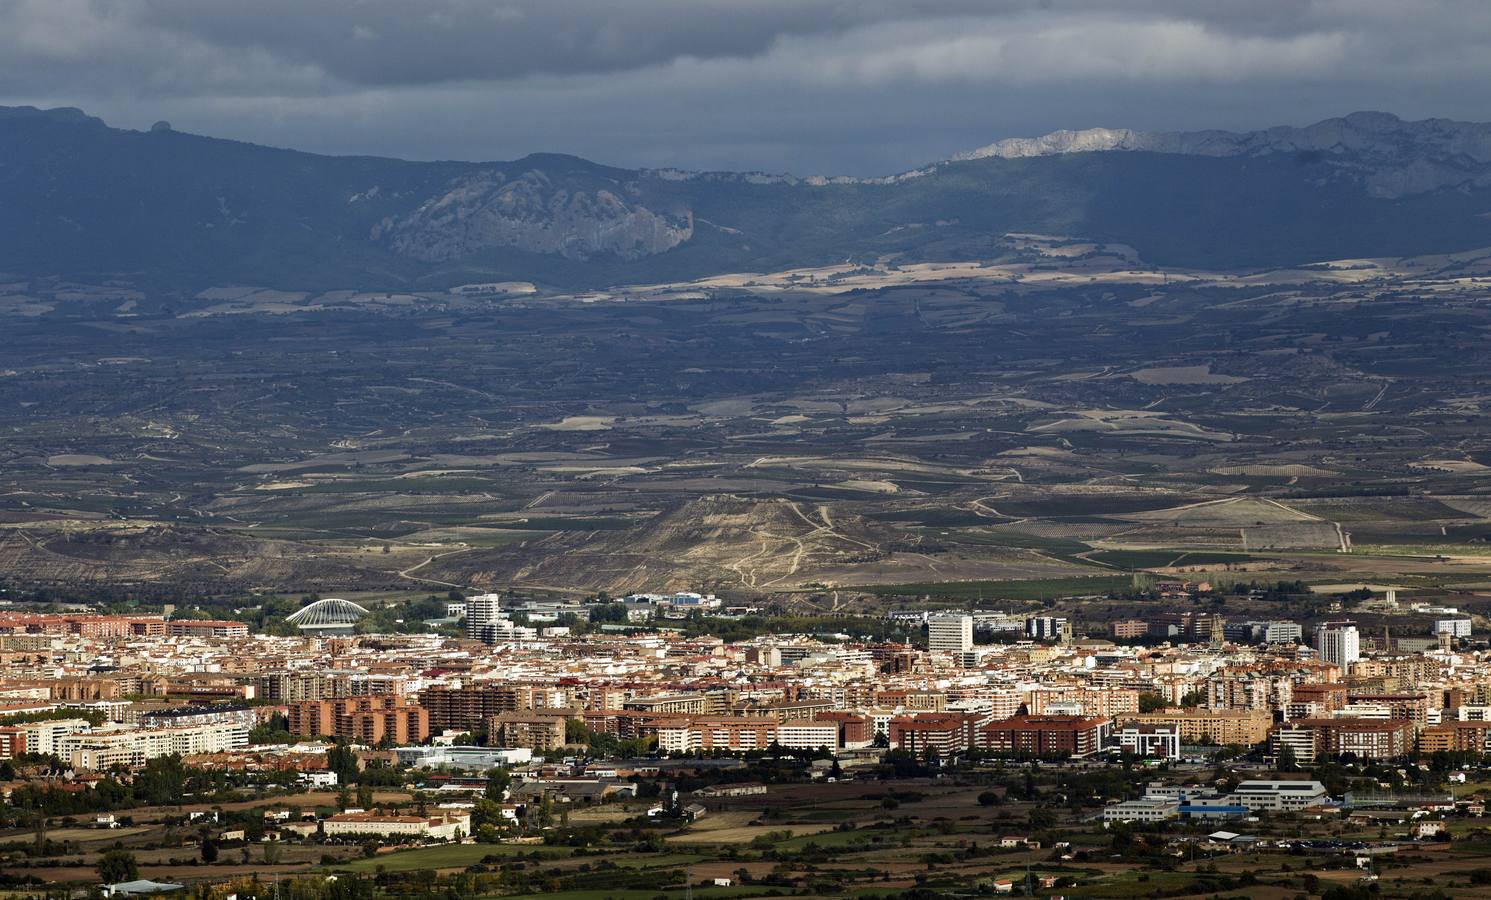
pixel 805 85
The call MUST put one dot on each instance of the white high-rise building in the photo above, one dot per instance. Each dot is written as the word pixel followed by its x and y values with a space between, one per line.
pixel 482 613
pixel 950 634
pixel 1339 644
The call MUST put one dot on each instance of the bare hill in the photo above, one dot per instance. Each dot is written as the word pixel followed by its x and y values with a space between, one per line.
pixel 723 542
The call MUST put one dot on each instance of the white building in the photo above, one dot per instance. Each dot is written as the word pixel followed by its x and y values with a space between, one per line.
pixel 101 750
pixel 1145 809
pixel 448 826
pixel 1153 741
pixel 798 735
pixel 463 757
pixel 1376 712
pixel 482 614
pixel 1297 740
pixel 1289 796
pixel 1459 628
pixel 1048 628
pixel 1283 633
pixel 318 780
pixel 1338 644
pixel 42 737
pixel 950 634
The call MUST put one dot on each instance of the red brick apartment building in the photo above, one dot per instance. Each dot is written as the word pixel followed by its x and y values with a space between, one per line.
pixel 366 720
pixel 1045 735
pixel 88 626
pixel 946 733
pixel 854 728
pixel 1363 738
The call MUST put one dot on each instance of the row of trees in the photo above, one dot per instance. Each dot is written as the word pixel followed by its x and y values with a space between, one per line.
pixel 162 781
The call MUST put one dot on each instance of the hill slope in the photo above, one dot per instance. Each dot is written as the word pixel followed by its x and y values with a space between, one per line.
pixel 82 200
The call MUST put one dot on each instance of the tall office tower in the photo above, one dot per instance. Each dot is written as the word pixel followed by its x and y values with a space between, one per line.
pixel 1338 643
pixel 481 617
pixel 950 634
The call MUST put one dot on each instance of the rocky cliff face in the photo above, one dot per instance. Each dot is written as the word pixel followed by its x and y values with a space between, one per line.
pixel 537 213
pixel 1391 157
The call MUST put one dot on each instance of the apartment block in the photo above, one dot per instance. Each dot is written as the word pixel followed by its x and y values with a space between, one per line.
pixel 1199 726
pixel 369 720
pixel 101 750
pixel 1046 735
pixel 533 730
pixel 943 733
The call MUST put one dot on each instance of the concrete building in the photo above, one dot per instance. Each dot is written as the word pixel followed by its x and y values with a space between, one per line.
pixel 214 628
pixel 1279 796
pixel 1283 633
pixel 1107 702
pixel 1152 741
pixel 44 736
pixel 12 742
pixel 483 612
pixel 950 634
pixel 101 750
pixel 855 729
pixel 944 733
pixel 1198 726
pixel 448 826
pixel 1456 628
pixel 536 730
pixel 202 714
pixel 798 735
pixel 1300 741
pixel 1330 694
pixel 717 733
pixel 1405 707
pixel 1338 644
pixel 1144 809
pixel 688 704
pixel 1456 736
pixel 463 757
pixel 1187 625
pixel 1048 628
pixel 1046 735
pixel 367 720
pixel 1366 739
pixel 466 707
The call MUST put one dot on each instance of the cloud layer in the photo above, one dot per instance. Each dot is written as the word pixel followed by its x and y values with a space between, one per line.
pixel 857 86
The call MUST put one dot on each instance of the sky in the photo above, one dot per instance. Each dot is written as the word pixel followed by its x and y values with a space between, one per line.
pixel 859 87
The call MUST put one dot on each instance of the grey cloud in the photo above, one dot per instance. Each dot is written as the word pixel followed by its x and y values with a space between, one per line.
pixel 804 85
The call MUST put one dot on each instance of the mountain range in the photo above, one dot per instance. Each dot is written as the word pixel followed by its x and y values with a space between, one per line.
pixel 181 212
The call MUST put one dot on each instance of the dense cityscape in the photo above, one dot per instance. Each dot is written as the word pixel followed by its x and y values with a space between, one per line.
pixel 324 747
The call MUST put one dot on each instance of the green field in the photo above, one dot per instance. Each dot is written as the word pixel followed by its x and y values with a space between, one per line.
pixel 1150 559
pixel 447 856
pixel 1024 589
pixel 1060 548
